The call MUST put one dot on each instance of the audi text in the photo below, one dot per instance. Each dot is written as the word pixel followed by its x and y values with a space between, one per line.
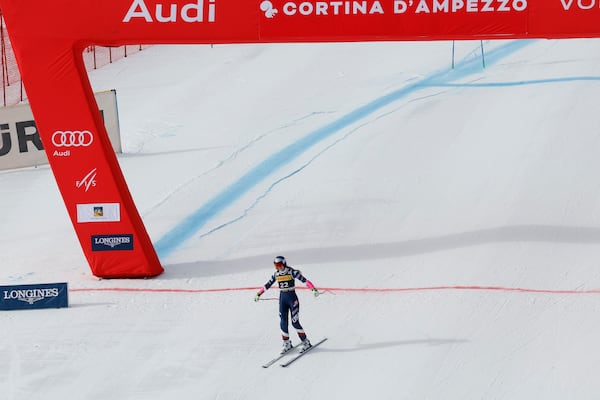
pixel 191 12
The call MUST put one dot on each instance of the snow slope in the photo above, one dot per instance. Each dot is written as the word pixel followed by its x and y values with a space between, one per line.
pixel 450 214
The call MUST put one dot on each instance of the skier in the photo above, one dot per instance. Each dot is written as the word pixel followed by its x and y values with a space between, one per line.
pixel 286 277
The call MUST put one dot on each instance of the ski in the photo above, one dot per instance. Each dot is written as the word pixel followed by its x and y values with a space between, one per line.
pixel 291 360
pixel 273 361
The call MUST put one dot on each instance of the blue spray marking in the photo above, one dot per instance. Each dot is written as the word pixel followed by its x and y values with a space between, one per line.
pixel 520 83
pixel 194 222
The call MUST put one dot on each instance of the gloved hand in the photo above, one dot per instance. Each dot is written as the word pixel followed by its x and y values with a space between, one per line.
pixel 315 292
pixel 257 297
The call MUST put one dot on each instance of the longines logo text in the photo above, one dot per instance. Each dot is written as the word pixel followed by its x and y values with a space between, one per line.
pixel 30 295
pixel 112 242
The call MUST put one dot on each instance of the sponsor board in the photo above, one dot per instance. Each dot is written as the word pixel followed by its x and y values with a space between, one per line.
pixel 98 212
pixel 112 242
pixel 20 143
pixel 27 297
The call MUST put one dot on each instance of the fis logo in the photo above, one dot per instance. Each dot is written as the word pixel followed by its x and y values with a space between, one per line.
pixel 88 181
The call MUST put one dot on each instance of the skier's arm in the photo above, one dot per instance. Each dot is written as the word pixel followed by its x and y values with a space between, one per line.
pixel 309 284
pixel 312 287
pixel 259 293
pixel 269 283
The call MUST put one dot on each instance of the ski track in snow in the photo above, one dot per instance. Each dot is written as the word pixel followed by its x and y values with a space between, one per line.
pixel 198 219
pixel 219 164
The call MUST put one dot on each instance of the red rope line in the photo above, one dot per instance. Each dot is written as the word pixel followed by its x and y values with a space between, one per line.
pixel 350 290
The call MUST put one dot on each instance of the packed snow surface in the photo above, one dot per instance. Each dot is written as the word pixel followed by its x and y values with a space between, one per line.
pixel 451 217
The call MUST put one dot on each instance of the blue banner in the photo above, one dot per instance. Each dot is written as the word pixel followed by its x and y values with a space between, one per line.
pixel 112 242
pixel 28 297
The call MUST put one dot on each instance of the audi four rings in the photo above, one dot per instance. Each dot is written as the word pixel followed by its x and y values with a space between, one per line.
pixel 72 138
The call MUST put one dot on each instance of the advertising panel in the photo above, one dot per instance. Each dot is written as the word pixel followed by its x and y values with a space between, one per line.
pixel 112 242
pixel 28 297
pixel 20 143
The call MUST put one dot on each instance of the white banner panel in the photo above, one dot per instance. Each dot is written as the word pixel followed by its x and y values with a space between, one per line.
pixel 98 212
pixel 20 143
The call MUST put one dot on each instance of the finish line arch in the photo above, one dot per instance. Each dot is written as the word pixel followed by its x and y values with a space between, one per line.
pixel 49 37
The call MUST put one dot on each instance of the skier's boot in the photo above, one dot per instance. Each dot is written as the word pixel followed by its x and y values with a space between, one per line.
pixel 287 346
pixel 305 345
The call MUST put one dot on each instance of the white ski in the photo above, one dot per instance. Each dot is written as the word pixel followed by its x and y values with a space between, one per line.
pixel 273 361
pixel 291 360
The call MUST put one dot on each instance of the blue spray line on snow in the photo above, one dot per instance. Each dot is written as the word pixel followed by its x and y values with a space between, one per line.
pixel 268 190
pixel 519 83
pixel 194 222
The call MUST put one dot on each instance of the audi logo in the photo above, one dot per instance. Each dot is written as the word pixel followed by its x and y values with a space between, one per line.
pixel 72 138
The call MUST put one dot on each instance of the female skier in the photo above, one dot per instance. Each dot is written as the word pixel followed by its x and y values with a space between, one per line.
pixel 286 277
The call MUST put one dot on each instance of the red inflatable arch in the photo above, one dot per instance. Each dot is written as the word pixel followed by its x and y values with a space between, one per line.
pixel 49 36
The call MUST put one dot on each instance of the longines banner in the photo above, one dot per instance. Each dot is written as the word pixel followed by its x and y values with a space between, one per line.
pixel 49 36
pixel 27 297
pixel 20 143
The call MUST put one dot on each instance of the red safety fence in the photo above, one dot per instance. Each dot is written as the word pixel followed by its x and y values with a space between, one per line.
pixel 12 91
